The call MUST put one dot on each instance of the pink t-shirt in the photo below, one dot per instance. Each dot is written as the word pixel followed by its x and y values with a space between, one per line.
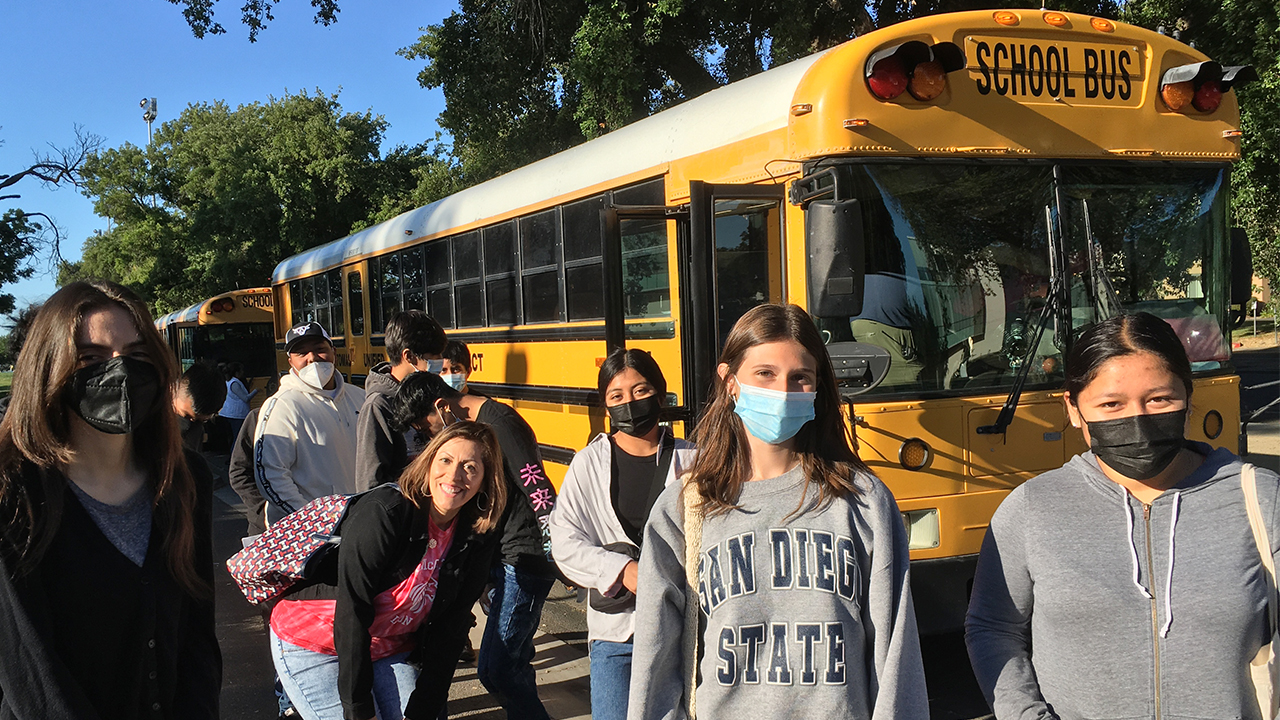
pixel 398 611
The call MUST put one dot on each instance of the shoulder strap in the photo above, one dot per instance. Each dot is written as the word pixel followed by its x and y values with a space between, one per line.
pixel 692 609
pixel 1248 482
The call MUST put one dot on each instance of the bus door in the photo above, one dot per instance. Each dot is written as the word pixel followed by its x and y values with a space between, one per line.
pixel 735 263
pixel 637 292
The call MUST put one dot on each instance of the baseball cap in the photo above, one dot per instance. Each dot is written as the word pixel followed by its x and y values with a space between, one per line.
pixel 298 333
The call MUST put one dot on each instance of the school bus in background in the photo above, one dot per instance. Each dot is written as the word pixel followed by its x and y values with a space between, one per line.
pixel 955 197
pixel 234 326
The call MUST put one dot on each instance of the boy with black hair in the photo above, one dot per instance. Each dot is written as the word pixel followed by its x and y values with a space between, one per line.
pixel 414 343
pixel 198 397
pixel 457 365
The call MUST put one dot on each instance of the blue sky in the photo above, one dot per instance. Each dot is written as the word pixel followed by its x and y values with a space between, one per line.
pixel 89 62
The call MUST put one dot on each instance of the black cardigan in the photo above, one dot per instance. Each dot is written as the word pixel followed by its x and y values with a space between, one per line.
pixel 88 635
pixel 383 539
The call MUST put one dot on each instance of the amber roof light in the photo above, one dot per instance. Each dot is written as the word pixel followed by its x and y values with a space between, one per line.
pixel 1004 17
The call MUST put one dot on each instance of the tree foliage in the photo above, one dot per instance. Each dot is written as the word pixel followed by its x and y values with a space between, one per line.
pixel 221 195
pixel 1238 32
pixel 26 236
pixel 255 14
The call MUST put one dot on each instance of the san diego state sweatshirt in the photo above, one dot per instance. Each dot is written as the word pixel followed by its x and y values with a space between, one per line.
pixel 804 614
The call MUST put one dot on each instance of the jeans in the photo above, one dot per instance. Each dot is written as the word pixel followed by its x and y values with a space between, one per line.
pixel 311 681
pixel 506 652
pixel 610 679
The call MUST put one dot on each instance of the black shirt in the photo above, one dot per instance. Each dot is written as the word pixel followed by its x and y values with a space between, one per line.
pixel 530 495
pixel 635 483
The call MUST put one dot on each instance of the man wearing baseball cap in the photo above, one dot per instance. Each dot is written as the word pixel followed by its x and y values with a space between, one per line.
pixel 305 439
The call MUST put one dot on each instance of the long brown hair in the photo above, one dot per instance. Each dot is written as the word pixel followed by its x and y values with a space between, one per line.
pixel 482 516
pixel 35 442
pixel 723 462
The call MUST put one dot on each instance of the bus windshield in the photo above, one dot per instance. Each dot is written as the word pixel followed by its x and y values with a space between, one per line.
pixel 251 344
pixel 959 264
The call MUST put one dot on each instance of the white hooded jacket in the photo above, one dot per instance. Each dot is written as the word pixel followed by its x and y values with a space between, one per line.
pixel 583 522
pixel 304 445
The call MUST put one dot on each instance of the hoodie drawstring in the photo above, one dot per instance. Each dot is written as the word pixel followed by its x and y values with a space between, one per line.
pixel 1133 545
pixel 1168 583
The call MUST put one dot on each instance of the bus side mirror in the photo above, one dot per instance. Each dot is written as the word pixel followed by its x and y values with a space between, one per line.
pixel 1241 274
pixel 836 262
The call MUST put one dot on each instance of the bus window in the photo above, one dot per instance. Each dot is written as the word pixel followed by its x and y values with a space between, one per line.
pixel 467 296
pixel 748 242
pixel 295 302
pixel 415 297
pixel 1149 239
pixel 355 299
pixel 583 269
pixel 375 295
pixel 646 286
pixel 540 276
pixel 439 294
pixel 335 303
pixel 957 273
pixel 252 344
pixel 319 308
pixel 499 274
pixel 187 347
pixel 390 287
pixel 646 193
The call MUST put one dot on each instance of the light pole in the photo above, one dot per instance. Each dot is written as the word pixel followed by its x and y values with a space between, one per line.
pixel 148 114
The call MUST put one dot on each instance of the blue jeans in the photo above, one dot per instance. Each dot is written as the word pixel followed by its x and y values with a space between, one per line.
pixel 311 681
pixel 610 679
pixel 504 665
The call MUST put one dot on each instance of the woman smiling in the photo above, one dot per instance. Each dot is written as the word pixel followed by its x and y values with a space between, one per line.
pixel 382 629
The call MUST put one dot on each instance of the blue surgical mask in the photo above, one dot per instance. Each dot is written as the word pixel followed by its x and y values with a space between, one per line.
pixel 435 366
pixel 773 416
pixel 457 381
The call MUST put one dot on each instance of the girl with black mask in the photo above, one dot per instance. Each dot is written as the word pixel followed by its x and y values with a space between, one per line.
pixel 1134 571
pixel 106 598
pixel 598 522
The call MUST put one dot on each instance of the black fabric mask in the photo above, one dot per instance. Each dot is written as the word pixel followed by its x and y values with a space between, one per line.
pixel 115 396
pixel 1139 446
pixel 637 417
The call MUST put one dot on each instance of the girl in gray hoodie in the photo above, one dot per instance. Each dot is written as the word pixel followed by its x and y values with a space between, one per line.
pixel 1126 584
pixel 801 606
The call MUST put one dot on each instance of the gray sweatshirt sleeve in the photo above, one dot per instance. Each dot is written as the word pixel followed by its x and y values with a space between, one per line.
pixel 998 625
pixel 658 661
pixel 898 683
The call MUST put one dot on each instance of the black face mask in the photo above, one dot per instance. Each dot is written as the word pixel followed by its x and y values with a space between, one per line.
pixel 637 417
pixel 1140 446
pixel 115 396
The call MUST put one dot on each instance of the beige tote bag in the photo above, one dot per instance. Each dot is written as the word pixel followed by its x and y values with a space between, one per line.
pixel 1263 668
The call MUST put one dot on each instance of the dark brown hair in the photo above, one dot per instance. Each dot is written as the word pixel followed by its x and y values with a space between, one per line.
pixel 723 462
pixel 35 435
pixel 415 480
pixel 1127 334
pixel 638 360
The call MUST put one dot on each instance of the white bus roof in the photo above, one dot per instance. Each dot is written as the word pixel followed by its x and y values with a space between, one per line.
pixel 743 109
pixel 187 314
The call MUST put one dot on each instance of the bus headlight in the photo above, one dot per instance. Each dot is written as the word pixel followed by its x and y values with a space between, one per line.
pixel 922 529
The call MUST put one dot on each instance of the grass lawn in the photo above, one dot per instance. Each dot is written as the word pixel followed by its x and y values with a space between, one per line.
pixel 6 379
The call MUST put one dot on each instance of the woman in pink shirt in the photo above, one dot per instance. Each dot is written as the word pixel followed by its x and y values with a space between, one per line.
pixel 382 627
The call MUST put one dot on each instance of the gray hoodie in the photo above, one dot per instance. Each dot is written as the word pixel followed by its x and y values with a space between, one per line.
pixel 804 615
pixel 1088 604
pixel 382 452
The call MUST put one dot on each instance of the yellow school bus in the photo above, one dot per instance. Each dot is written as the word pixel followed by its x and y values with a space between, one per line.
pixel 954 197
pixel 234 326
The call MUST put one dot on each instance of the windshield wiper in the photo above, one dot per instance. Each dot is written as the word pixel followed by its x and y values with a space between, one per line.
pixel 1106 303
pixel 1015 393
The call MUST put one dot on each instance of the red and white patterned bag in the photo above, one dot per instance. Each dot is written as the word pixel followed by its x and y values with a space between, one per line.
pixel 286 552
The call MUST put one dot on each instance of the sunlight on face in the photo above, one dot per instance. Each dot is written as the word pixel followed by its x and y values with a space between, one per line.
pixel 455 476
pixel 627 386
pixel 108 332
pixel 784 366
pixel 1128 385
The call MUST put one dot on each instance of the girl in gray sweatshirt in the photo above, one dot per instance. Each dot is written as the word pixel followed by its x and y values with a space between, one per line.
pixel 1126 584
pixel 803 607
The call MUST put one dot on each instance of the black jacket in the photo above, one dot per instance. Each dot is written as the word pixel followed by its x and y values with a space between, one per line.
pixel 88 635
pixel 383 539
pixel 241 478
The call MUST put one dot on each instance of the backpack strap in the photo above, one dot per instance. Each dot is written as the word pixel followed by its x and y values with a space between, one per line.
pixel 692 607
pixel 1263 667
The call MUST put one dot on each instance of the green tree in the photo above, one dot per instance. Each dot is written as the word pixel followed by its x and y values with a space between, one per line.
pixel 221 195
pixel 1238 32
pixel 26 236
